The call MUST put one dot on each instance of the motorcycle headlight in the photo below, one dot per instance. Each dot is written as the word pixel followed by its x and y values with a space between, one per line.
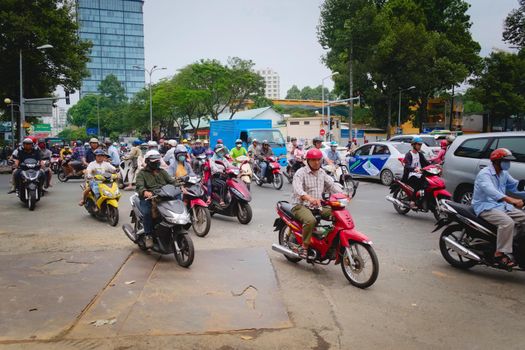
pixel 178 219
pixel 236 171
pixel 236 192
pixel 107 193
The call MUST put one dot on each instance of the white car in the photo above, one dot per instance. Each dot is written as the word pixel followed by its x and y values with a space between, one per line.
pixel 431 146
pixel 379 160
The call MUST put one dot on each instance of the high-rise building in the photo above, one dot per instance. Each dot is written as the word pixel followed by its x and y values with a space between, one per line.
pixel 273 87
pixel 116 29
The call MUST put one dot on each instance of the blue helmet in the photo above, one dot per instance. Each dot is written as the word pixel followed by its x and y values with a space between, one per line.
pixel 333 144
pixel 100 152
pixel 137 143
pixel 417 139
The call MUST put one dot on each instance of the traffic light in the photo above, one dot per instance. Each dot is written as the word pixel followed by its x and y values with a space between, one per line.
pixel 67 98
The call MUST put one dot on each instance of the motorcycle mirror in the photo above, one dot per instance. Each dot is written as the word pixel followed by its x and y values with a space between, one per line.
pixel 326 196
pixel 521 185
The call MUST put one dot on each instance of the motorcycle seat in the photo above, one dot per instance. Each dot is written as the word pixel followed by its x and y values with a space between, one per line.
pixel 468 212
pixel 286 208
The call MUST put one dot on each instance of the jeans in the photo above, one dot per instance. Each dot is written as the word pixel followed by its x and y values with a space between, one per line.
pixel 94 188
pixel 264 167
pixel 145 209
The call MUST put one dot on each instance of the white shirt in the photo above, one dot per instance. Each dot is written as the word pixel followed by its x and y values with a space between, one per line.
pixel 416 163
pixel 169 156
pixel 95 168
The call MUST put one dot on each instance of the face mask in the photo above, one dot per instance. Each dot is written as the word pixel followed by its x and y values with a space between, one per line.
pixel 181 158
pixel 505 165
pixel 154 165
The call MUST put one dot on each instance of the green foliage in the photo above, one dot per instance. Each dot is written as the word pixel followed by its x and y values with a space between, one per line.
pixel 293 93
pixel 307 93
pixel 27 24
pixel 514 32
pixel 260 102
pixel 73 134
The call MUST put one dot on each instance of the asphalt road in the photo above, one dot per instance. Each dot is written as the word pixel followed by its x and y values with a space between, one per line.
pixel 418 301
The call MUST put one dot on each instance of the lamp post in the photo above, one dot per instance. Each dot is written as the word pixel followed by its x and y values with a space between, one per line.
pixel 9 102
pixel 21 106
pixel 399 113
pixel 322 94
pixel 150 72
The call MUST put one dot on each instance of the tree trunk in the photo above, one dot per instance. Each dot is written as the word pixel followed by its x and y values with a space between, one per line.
pixel 423 112
pixel 389 118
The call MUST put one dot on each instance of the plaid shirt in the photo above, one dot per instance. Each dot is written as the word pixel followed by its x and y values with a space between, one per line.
pixel 313 184
pixel 79 152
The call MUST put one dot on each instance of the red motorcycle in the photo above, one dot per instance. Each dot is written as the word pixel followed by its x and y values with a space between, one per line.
pixel 236 196
pixel 193 196
pixel 338 241
pixel 56 163
pixel 273 174
pixel 428 199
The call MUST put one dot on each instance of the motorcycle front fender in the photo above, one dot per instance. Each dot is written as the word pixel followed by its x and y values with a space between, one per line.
pixel 442 193
pixel 112 202
pixel 31 186
pixel 197 202
pixel 352 235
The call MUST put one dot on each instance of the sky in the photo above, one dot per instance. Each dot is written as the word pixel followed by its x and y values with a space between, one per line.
pixel 277 34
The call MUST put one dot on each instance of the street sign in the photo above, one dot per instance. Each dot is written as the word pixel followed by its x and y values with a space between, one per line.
pixel 322 132
pixel 40 109
pixel 92 131
pixel 360 134
pixel 42 128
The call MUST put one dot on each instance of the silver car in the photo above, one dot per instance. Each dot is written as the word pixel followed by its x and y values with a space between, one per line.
pixel 468 154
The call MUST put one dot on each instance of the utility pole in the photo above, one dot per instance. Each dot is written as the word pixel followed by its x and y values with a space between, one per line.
pixel 451 109
pixel 351 94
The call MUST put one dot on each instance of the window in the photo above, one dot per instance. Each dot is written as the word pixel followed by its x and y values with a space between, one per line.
pixel 294 123
pixel 381 150
pixel 363 151
pixel 306 123
pixel 515 144
pixel 473 148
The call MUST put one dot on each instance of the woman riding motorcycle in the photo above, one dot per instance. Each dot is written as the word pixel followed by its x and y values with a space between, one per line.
pixel 180 167
pixel 217 170
pixel 415 161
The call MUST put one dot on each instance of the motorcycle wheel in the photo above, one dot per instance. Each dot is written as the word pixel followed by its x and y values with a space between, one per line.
pixel 184 256
pixel 284 237
pixel 113 215
pixel 438 215
pixel 364 256
pixel 244 213
pixel 454 259
pixel 278 181
pixel 401 195
pixel 62 176
pixel 201 221
pixel 31 200
pixel 289 175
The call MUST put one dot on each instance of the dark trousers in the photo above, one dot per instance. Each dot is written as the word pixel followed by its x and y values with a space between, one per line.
pixel 145 208
pixel 417 183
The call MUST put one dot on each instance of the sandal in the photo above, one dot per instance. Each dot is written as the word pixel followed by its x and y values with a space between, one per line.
pixel 505 260
pixel 81 203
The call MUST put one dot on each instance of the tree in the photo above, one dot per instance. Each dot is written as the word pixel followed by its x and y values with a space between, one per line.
pixel 514 31
pixel 112 88
pixel 307 93
pixel 27 24
pixel 293 93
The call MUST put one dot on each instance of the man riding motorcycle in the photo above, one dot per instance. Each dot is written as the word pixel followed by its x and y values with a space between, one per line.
pixel 238 150
pixel 491 203
pixel 331 155
pixel 197 150
pixel 99 166
pixel 414 161
pixel 90 156
pixel 149 179
pixel 66 151
pixel 46 154
pixel 264 152
pixel 253 148
pixel 308 186
pixel 112 152
pixel 26 151
pixel 169 156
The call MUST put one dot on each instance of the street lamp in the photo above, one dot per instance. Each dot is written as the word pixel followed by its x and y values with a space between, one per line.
pixel 399 114
pixel 150 72
pixel 322 93
pixel 9 102
pixel 21 106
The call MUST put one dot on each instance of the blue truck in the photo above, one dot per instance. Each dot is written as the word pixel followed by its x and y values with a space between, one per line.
pixel 247 130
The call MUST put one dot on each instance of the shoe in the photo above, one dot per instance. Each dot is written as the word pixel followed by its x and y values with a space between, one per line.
pixel 13 190
pixel 148 241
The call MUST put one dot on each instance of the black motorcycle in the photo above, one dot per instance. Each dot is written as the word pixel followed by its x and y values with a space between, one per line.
pixel 78 169
pixel 31 181
pixel 171 220
pixel 468 240
pixel 198 164
pixel 291 168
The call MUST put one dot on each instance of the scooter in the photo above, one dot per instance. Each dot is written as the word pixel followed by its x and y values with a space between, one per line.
pixel 428 199
pixel 337 241
pixel 237 196
pixel 193 196
pixel 106 205
pixel 339 172
pixel 170 234
pixel 30 188
pixel 468 240
pixel 245 167
pixel 199 164
pixel 56 161
pixel 78 170
pixel 273 174
pixel 292 168
pixel 127 173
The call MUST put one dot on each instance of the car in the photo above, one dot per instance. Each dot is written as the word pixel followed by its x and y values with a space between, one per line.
pixel 428 140
pixel 468 154
pixel 379 160
pixel 340 149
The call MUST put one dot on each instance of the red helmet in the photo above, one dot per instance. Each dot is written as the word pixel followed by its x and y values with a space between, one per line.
pixel 501 154
pixel 314 153
pixel 444 144
pixel 34 139
pixel 219 141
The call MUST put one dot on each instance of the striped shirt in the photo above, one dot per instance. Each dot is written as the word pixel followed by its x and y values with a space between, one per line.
pixel 307 182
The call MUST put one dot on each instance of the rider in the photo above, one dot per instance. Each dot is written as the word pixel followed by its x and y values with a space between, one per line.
pixel 331 155
pixel 66 151
pixel 238 151
pixel 415 161
pixel 308 186
pixel 26 151
pixel 217 169
pixel 169 156
pixel 185 144
pixel 253 149
pixel 220 142
pixel 112 152
pixel 180 167
pixel 491 202
pixel 150 178
pixel 90 153
pixel 197 150
pixel 298 156
pixel 97 167
pixel 293 146
pixel 440 157
pixel 264 152
pixel 46 154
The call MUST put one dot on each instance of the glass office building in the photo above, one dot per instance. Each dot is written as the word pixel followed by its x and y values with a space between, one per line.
pixel 116 29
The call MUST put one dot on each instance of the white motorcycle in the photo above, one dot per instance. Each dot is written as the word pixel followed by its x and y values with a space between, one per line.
pixel 245 167
pixel 127 173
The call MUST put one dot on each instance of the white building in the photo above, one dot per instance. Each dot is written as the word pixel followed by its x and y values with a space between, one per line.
pixel 272 81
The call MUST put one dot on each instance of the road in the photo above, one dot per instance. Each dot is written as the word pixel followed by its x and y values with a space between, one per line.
pixel 418 301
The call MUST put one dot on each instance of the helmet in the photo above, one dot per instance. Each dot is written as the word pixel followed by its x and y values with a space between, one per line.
pixel 255 141
pixel 137 143
pixel 100 152
pixel 67 147
pixel 265 142
pixel 184 141
pixel 317 139
pixel 417 139
pixel 219 149
pixel 93 140
pixel 219 141
pixel 152 155
pixel 300 145
pixel 314 153
pixel 180 149
pixel 293 139
pixel 152 144
pixel 451 138
pixel 28 141
pixel 33 139
pixel 501 154
pixel 444 143
pixel 333 144
pixel 172 143
pixel 42 145
pixel 206 142
pixel 238 141
pixel 198 141
pixel 107 141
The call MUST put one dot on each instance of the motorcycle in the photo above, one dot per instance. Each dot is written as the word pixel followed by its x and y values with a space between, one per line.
pixel 427 199
pixel 339 172
pixel 193 196
pixel 171 221
pixel 245 168
pixel 469 240
pixel 56 161
pixel 338 241
pixel 273 174
pixel 198 166
pixel 127 173
pixel 237 196
pixel 292 168
pixel 31 181
pixel 106 205
pixel 47 173
pixel 78 170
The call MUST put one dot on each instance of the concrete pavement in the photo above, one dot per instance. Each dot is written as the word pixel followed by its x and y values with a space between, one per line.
pixel 418 301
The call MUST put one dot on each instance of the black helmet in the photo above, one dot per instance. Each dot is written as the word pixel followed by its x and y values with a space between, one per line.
pixel 317 139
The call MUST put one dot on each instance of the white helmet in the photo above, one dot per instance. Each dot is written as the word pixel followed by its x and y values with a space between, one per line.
pixel 172 143
pixel 152 144
pixel 152 154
